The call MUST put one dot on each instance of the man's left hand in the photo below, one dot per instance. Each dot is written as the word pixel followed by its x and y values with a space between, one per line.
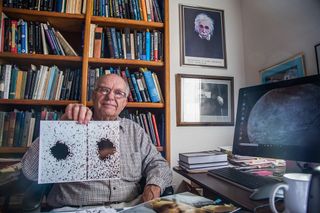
pixel 150 192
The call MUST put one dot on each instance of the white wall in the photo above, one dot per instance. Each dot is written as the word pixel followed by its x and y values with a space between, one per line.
pixel 259 33
pixel 184 139
pixel 276 30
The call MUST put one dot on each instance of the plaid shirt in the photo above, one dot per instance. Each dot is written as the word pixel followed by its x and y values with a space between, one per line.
pixel 139 157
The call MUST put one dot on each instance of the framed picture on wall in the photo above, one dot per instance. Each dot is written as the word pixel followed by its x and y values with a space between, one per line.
pixel 202 37
pixel 317 49
pixel 288 69
pixel 204 100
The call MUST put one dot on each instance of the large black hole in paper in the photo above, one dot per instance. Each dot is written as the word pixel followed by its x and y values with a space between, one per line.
pixel 60 151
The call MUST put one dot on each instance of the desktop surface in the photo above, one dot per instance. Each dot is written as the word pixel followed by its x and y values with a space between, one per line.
pixel 213 187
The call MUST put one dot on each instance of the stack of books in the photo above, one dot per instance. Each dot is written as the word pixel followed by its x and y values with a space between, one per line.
pixel 203 161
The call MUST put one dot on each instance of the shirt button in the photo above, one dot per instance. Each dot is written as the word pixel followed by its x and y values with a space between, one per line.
pixel 114 188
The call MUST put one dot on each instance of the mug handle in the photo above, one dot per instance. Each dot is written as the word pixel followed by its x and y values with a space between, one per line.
pixel 273 193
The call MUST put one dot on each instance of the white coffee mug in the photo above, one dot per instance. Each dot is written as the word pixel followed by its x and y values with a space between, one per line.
pixel 296 187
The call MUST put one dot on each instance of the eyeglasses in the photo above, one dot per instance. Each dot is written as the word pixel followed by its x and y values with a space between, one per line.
pixel 118 94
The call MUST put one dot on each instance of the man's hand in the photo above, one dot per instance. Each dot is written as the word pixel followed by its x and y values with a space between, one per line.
pixel 150 192
pixel 77 112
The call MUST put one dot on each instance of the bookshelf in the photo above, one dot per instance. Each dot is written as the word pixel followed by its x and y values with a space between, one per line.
pixel 76 29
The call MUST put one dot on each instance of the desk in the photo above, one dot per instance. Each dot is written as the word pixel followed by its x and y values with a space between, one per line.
pixel 215 186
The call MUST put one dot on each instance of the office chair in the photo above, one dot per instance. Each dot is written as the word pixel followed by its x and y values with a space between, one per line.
pixel 36 192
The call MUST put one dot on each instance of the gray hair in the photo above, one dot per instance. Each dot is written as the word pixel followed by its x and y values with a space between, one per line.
pixel 203 17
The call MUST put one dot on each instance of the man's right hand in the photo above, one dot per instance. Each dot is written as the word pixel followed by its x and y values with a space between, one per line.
pixel 77 112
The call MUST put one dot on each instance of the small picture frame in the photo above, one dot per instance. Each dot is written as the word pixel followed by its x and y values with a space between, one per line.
pixel 202 37
pixel 204 100
pixel 288 69
pixel 317 50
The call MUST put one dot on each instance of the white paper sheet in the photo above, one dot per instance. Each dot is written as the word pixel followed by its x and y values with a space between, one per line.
pixel 69 151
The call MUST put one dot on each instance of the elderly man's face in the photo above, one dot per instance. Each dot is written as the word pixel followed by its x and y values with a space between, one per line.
pixel 109 97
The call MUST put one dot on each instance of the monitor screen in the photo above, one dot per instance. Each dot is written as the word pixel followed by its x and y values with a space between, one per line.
pixel 280 120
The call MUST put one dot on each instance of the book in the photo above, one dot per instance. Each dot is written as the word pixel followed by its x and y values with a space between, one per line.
pixel 97 42
pixel 203 157
pixel 65 45
pixel 202 165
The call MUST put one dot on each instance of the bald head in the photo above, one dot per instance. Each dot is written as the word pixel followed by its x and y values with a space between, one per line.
pixel 113 77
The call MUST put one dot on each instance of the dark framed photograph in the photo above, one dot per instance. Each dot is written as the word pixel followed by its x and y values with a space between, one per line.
pixel 202 37
pixel 288 69
pixel 204 100
pixel 317 49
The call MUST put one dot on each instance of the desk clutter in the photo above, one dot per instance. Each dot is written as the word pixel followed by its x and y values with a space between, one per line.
pixel 203 161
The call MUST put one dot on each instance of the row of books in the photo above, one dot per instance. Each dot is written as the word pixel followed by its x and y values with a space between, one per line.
pixel 148 122
pixel 124 43
pixel 63 6
pixel 202 161
pixel 144 84
pixel 20 36
pixel 45 83
pixel 20 128
pixel 146 10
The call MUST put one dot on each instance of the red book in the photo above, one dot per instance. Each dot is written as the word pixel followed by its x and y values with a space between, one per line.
pixel 14 31
pixel 97 42
pixel 155 129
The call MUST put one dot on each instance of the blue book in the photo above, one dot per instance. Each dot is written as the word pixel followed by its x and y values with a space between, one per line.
pixel 136 88
pixel 153 93
pixel 133 92
pixel 148 46
pixel 23 37
pixel 52 73
pixel 114 42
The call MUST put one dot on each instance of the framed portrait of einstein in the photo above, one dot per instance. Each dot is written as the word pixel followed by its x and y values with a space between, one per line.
pixel 202 37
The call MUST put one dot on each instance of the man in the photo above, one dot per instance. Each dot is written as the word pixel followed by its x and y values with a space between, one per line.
pixel 139 156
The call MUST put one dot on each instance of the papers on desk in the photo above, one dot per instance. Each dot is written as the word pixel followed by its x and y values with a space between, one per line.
pixel 76 152
pixel 98 209
pixel 182 202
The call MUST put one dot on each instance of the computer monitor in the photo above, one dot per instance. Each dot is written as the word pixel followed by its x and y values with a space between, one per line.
pixel 280 120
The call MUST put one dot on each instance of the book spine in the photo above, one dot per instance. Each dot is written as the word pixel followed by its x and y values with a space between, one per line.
pixel 148 45
pixel 13 83
pixel 14 36
pixel 43 39
pixel 134 95
pixel 123 75
pixel 154 96
pixel 154 122
pixel 114 42
pixel 135 86
pixel 97 42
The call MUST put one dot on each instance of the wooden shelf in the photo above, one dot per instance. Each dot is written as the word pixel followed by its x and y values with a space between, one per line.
pixel 13 149
pixel 122 23
pixel 36 102
pixel 138 105
pixel 126 62
pixel 38 59
pixel 76 29
pixel 64 21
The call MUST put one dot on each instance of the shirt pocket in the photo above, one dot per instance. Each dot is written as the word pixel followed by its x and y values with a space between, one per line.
pixel 132 167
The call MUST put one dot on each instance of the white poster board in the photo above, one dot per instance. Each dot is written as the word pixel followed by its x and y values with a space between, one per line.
pixel 71 152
